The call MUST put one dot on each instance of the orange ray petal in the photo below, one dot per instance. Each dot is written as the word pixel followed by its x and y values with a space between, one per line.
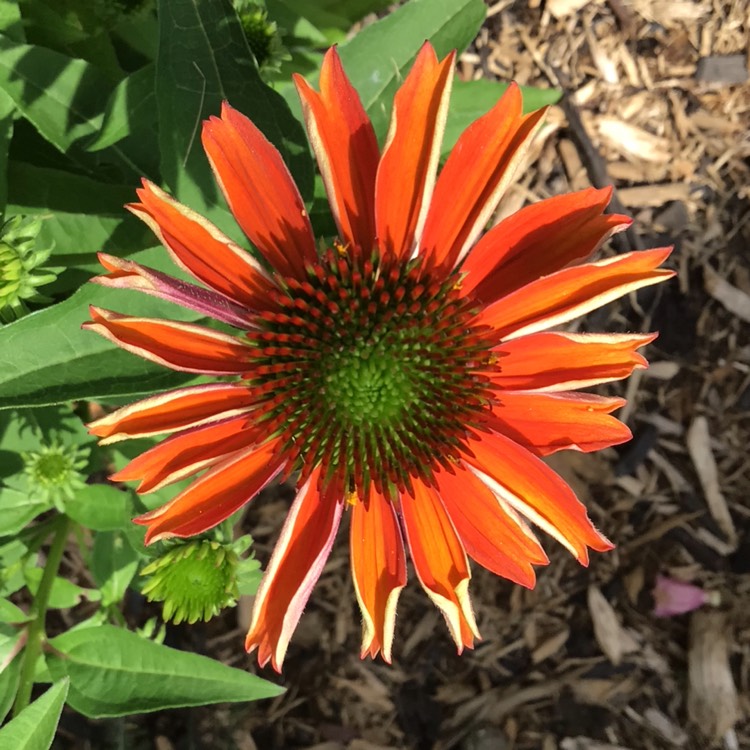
pixel 479 170
pixel 572 292
pixel 260 191
pixel 345 146
pixel 201 249
pixel 548 422
pixel 529 486
pixel 545 236
pixel 378 570
pixel 295 566
pixel 563 361
pixel 494 538
pixel 187 453
pixel 216 495
pixel 173 410
pixel 406 175
pixel 181 346
pixel 440 561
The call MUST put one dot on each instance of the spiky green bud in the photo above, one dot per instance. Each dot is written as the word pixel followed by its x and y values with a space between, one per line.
pixel 54 472
pixel 21 261
pixel 194 580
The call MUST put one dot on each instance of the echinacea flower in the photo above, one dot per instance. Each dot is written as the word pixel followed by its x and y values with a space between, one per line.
pixel 404 374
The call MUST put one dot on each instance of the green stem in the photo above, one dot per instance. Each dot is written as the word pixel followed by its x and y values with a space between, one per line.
pixel 36 634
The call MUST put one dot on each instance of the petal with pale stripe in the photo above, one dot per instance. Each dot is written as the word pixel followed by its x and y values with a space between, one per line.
pixel 260 191
pixel 406 175
pixel 346 149
pixel 201 249
pixel 187 453
pixel 173 410
pixel 529 486
pixel 181 346
pixel 558 361
pixel 217 494
pixel 572 292
pixel 126 274
pixel 296 564
pixel 378 570
pixel 545 236
pixel 492 537
pixel 548 422
pixel 440 561
pixel 477 173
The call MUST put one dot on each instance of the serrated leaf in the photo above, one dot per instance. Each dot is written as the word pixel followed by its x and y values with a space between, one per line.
pixel 100 507
pixel 203 60
pixel 34 728
pixel 48 359
pixel 114 672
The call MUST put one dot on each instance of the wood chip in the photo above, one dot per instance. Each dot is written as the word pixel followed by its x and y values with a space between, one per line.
pixel 633 140
pixel 712 696
pixel 699 447
pixel 658 721
pixel 562 8
pixel 654 195
pixel 732 298
pixel 613 639
pixel 586 743
pixel 724 69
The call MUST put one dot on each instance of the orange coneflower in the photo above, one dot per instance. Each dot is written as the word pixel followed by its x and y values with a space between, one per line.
pixel 404 373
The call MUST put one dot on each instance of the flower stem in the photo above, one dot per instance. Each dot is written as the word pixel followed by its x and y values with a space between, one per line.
pixel 39 613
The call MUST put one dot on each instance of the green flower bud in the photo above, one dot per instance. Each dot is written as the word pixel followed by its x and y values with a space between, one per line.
pixel 262 35
pixel 194 580
pixel 20 267
pixel 54 472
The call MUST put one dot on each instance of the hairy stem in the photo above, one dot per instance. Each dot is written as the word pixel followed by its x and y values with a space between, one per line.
pixel 39 613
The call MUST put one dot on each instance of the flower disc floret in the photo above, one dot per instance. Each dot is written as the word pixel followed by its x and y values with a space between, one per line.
pixel 374 363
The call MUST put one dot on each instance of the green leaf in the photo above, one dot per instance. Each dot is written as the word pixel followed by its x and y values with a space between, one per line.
pixel 34 728
pixel 472 99
pixel 17 508
pixel 10 643
pixel 48 359
pixel 130 109
pixel 63 594
pixel 100 507
pixel 7 110
pixel 379 57
pixel 62 97
pixel 114 672
pixel 11 23
pixel 12 559
pixel 9 686
pixel 10 613
pixel 82 217
pixel 113 565
pixel 203 60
